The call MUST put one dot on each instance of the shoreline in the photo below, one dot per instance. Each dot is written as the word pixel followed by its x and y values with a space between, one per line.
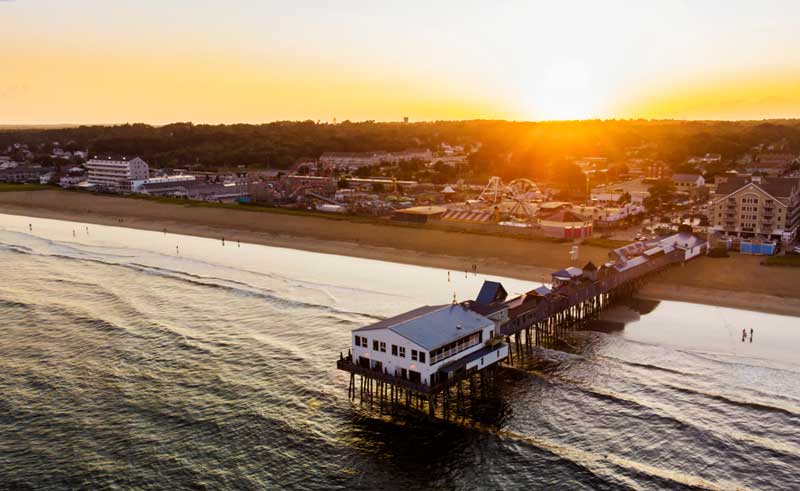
pixel 704 280
pixel 491 265
pixel 757 302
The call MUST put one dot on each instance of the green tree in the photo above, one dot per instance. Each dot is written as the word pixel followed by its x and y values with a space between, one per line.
pixel 662 196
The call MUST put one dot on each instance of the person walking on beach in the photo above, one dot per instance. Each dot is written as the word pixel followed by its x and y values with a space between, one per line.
pixel 744 334
pixel 751 334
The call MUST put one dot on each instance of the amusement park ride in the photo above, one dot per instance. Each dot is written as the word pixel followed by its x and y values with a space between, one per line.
pixel 522 192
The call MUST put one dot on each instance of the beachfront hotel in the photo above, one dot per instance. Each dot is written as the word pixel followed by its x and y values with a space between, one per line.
pixel 116 173
pixel 766 208
pixel 430 345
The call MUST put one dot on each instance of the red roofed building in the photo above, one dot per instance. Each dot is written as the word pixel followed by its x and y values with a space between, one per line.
pixel 566 224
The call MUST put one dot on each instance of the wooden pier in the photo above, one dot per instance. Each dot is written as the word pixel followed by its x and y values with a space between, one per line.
pixel 541 317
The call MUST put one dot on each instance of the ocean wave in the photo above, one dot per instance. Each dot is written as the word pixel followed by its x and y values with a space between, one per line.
pixel 760 406
pixel 716 358
pixel 244 289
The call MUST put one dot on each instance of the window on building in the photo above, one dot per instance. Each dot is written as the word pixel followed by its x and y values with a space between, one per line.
pixel 375 345
pixel 402 352
pixel 422 357
pixel 394 350
pixel 414 354
pixel 383 346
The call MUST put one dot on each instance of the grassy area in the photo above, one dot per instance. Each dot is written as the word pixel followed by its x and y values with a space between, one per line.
pixel 792 260
pixel 248 207
pixel 606 243
pixel 5 187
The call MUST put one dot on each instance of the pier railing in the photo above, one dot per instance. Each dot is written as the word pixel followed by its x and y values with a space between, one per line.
pixel 347 365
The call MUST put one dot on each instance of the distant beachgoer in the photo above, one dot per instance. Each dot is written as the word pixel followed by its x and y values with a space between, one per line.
pixel 223 241
pixel 448 276
pixel 73 232
pixel 751 334
pixel 744 334
pixel 30 227
pixel 176 250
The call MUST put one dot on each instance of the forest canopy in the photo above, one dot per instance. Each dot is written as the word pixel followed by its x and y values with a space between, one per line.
pixel 508 148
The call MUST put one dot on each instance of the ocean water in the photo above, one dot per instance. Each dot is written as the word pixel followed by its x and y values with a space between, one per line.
pixel 145 360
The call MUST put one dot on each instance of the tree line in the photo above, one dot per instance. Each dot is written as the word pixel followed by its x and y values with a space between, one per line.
pixel 509 149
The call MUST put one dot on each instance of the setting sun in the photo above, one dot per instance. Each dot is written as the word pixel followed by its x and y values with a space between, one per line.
pixel 562 91
pixel 516 60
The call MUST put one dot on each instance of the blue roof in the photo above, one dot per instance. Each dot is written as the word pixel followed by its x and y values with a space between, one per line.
pixel 636 261
pixel 568 273
pixel 542 290
pixel 433 326
pixel 491 291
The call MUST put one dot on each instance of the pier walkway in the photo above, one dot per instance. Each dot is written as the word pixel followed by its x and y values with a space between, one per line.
pixel 539 317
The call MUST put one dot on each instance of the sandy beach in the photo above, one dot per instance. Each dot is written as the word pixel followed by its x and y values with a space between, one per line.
pixel 712 281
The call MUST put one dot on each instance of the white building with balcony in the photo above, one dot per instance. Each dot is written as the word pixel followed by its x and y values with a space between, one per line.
pixel 429 345
pixel 116 173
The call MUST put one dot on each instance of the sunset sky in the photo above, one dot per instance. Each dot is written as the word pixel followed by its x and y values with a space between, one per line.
pixel 103 61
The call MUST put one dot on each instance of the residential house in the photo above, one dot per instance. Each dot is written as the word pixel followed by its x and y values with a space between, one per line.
pixel 691 184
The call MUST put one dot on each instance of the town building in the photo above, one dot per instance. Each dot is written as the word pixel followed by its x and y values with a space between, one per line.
pixel 766 208
pixel 566 224
pixel 709 158
pixel 771 164
pixel 23 174
pixel 688 183
pixel 609 216
pixel 217 192
pixel 429 345
pixel 352 159
pixel 355 160
pixel 164 186
pixel 419 214
pixel 116 173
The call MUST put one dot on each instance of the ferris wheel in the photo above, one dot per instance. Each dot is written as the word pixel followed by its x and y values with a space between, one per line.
pixel 523 189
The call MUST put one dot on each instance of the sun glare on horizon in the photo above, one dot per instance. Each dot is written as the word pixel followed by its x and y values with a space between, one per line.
pixel 560 92
pixel 515 60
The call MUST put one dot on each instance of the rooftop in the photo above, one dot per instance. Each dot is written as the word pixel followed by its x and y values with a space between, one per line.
pixel 775 186
pixel 565 216
pixel 568 273
pixel 433 326
pixel 491 291
pixel 686 177
pixel 423 210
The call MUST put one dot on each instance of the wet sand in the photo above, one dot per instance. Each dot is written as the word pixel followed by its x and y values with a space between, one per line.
pixel 712 281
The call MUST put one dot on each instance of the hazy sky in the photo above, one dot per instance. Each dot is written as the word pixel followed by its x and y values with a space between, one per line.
pixel 157 61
